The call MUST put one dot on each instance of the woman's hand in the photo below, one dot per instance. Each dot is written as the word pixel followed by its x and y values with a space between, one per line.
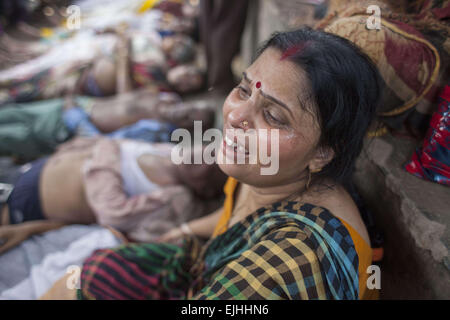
pixel 202 228
pixel 176 233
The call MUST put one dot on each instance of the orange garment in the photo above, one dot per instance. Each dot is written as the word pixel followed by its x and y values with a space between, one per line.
pixel 362 248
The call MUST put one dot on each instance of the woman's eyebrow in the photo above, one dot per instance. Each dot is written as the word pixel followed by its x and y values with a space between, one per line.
pixel 244 75
pixel 271 98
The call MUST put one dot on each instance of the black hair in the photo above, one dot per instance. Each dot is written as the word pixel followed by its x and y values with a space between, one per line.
pixel 345 89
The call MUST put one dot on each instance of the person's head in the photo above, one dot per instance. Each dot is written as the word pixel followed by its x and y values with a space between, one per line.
pixel 320 91
pixel 184 114
pixel 179 48
pixel 104 72
pixel 185 78
pixel 206 181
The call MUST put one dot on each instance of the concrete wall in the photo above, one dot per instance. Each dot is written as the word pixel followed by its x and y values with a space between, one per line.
pixel 414 217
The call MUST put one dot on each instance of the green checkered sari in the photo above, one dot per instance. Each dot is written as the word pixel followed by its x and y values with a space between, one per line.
pixel 289 250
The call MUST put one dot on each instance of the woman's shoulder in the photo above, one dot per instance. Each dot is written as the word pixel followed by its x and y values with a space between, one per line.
pixel 340 204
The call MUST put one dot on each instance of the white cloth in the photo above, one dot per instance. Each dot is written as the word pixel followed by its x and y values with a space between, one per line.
pixel 135 181
pixel 53 265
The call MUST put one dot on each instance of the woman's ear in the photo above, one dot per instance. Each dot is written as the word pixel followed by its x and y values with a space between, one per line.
pixel 323 156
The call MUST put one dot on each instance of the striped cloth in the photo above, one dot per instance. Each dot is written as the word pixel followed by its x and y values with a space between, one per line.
pixel 289 250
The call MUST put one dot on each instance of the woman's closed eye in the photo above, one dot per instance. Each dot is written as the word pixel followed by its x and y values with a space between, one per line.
pixel 273 119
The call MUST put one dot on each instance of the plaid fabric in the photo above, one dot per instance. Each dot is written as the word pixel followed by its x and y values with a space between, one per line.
pixel 289 250
pixel 137 272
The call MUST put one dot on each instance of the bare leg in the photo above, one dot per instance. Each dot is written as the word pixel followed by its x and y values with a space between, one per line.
pixel 222 21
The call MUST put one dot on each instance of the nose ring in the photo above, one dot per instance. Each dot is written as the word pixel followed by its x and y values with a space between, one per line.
pixel 244 123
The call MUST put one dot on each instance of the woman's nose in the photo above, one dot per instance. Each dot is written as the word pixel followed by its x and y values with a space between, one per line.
pixel 241 116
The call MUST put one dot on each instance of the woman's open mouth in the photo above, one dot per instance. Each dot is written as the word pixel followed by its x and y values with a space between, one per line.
pixel 234 147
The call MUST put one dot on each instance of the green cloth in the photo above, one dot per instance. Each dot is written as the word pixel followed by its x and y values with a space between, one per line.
pixel 29 130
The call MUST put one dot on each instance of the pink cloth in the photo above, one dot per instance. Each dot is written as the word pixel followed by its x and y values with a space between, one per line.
pixel 141 217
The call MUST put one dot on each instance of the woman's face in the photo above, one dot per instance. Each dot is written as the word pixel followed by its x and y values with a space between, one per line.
pixel 273 95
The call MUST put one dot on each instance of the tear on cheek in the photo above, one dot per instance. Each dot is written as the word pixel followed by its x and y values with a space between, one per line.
pixel 269 155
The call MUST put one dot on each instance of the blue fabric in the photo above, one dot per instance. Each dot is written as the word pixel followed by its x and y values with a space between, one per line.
pixel 77 122
pixel 24 202
pixel 92 88
pixel 147 130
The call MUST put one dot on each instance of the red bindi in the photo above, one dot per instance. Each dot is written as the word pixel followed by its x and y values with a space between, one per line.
pixel 258 85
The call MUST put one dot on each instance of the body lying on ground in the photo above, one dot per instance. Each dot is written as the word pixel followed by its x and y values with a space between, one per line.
pixel 29 130
pixel 131 186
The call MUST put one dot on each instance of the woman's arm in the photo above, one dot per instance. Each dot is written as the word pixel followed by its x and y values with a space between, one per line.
pixel 202 227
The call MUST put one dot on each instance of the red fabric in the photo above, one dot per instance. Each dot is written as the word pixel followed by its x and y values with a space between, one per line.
pixel 408 57
pixel 432 161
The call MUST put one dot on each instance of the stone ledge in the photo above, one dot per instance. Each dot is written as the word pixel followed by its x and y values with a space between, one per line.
pixel 414 217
